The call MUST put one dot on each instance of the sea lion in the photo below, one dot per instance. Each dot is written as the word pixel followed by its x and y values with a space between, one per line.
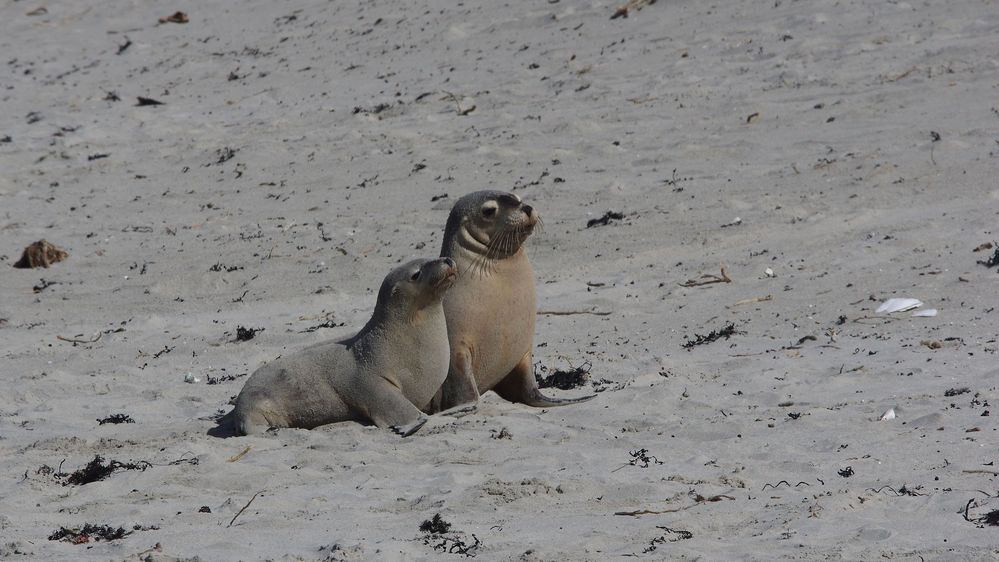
pixel 490 310
pixel 386 373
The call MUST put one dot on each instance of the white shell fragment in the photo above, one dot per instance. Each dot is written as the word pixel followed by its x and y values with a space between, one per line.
pixel 925 313
pixel 769 272
pixel 888 415
pixel 190 378
pixel 898 305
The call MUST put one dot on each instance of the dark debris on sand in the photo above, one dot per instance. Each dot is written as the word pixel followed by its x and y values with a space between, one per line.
pixel 992 261
pixel 562 380
pixel 715 335
pixel 438 535
pixel 246 334
pixel 89 532
pixel 116 418
pixel 605 220
pixel 98 469
pixel 435 526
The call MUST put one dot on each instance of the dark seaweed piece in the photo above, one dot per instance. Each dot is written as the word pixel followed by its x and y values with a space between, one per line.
pixel 222 378
pixel 435 526
pixel 846 472
pixel 326 324
pixel 715 335
pixel 116 418
pixel 680 535
pixel 246 334
pixel 148 101
pixel 604 220
pixel 438 535
pixel 642 456
pixel 224 154
pixel 992 261
pixel 43 285
pixel 88 532
pixel 563 380
pixel 219 266
pixel 98 470
pixel 956 391
pixel 374 110
pixel 454 545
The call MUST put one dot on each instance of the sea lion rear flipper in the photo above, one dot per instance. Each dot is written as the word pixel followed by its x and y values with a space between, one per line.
pixel 521 386
pixel 459 393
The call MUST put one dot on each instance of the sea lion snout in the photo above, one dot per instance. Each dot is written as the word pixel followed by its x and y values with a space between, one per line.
pixel 443 271
pixel 445 264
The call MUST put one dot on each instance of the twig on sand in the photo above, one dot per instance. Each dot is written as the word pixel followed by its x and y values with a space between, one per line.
pixel 902 75
pixel 979 471
pixel 708 279
pixel 700 500
pixel 74 340
pixel 571 312
pixel 457 102
pixel 764 298
pixel 240 455
pixel 240 512
pixel 881 319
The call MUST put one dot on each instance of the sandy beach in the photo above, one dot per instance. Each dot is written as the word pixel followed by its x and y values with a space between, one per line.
pixel 729 192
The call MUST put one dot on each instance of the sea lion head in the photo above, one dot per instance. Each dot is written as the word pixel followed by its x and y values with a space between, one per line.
pixel 415 285
pixel 492 224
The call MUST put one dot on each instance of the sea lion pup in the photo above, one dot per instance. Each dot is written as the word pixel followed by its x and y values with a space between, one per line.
pixel 491 308
pixel 386 373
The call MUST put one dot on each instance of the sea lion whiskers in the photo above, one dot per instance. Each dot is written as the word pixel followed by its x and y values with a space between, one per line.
pixel 539 225
pixel 500 246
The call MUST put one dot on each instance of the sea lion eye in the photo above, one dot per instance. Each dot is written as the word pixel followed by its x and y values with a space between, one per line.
pixel 415 276
pixel 489 211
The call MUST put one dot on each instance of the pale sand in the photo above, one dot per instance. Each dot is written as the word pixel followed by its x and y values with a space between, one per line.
pixel 812 122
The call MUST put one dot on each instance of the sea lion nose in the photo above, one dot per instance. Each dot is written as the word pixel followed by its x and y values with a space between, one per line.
pixel 449 262
pixel 527 209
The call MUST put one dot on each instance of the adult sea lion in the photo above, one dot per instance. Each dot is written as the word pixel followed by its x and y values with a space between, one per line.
pixel 386 373
pixel 490 309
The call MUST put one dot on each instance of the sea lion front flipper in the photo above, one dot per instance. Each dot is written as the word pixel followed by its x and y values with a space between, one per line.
pixel 410 428
pixel 389 409
pixel 521 386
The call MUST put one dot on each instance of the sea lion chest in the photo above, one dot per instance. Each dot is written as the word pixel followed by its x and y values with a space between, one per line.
pixel 413 354
pixel 491 312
